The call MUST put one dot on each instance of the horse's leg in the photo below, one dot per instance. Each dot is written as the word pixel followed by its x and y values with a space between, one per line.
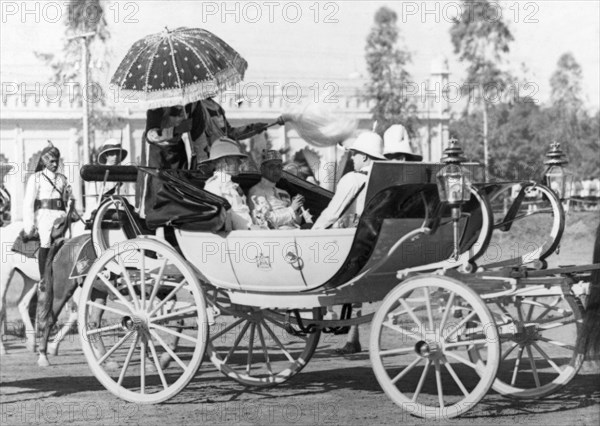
pixel 6 274
pixel 71 322
pixel 23 307
pixel 96 321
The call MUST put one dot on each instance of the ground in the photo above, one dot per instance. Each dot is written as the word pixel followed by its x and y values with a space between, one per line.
pixel 330 390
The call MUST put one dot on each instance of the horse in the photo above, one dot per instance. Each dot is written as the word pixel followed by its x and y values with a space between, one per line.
pixel 590 336
pixel 13 262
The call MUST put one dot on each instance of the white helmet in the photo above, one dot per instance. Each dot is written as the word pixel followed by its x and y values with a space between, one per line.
pixel 369 143
pixel 396 141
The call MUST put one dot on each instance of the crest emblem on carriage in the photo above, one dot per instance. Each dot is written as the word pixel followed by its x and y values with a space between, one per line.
pixel 82 265
pixel 263 262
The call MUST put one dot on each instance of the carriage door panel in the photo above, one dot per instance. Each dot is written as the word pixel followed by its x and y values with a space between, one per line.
pixel 323 253
pixel 267 261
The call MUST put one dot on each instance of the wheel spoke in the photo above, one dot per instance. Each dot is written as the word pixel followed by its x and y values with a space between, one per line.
pixel 462 360
pixel 396 351
pixel 550 323
pixel 156 360
pixel 507 353
pixel 107 308
pixel 407 369
pixel 428 305
pixel 277 323
pixel 168 349
pixel 114 291
pixel 128 359
pixel 237 341
pixel 410 312
pixel 466 343
pixel 402 331
pixel 557 343
pixel 447 310
pixel 456 379
pixel 516 367
pixel 174 333
pixel 277 341
pixel 226 329
pixel 530 312
pixel 547 358
pixel 161 270
pixel 142 366
pixel 179 314
pixel 459 325
pixel 102 330
pixel 421 380
pixel 143 281
pixel 265 350
pixel 115 347
pixel 533 367
pixel 129 284
pixel 250 348
pixel 438 382
pixel 548 308
pixel 169 296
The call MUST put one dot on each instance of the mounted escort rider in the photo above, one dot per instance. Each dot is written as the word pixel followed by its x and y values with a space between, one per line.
pixel 47 197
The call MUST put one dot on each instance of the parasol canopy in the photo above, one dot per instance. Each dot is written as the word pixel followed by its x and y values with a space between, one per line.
pixel 177 67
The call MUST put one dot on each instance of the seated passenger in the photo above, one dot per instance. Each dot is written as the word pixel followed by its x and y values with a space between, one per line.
pixel 347 204
pixel 271 206
pixel 396 145
pixel 225 156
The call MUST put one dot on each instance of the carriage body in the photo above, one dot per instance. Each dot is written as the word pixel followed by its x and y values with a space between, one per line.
pixel 282 280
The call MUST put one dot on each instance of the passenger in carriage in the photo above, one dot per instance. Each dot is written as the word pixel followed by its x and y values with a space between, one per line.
pixel 166 129
pixel 347 204
pixel 225 156
pixel 272 207
pixel 396 145
pixel 111 154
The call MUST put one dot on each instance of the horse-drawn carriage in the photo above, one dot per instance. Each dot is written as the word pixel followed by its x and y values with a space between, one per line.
pixel 452 323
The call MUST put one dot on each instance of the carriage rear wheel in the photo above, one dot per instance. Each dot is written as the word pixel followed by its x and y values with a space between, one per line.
pixel 253 346
pixel 538 331
pixel 152 338
pixel 420 337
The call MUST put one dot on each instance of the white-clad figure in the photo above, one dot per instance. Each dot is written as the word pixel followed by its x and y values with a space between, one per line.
pixel 348 201
pixel 226 157
pixel 46 197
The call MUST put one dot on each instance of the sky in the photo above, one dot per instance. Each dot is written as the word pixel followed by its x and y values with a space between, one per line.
pixel 319 42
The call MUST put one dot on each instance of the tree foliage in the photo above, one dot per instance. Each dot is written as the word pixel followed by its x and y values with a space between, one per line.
pixel 386 64
pixel 85 16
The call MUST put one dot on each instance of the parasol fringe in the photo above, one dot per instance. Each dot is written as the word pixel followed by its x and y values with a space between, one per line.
pixel 180 96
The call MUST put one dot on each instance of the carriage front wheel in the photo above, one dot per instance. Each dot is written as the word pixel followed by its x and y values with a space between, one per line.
pixel 154 329
pixel 420 338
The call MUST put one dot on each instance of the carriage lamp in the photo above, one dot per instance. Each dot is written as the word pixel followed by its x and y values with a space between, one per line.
pixel 557 177
pixel 453 183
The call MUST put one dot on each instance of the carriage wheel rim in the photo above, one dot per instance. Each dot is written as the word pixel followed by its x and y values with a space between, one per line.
pixel 142 321
pixel 433 366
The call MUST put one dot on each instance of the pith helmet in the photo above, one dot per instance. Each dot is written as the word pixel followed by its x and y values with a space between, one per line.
pixel 396 141
pixel 369 143
pixel 224 147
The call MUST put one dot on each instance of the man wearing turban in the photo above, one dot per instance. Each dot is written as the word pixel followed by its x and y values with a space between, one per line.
pixel 46 197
